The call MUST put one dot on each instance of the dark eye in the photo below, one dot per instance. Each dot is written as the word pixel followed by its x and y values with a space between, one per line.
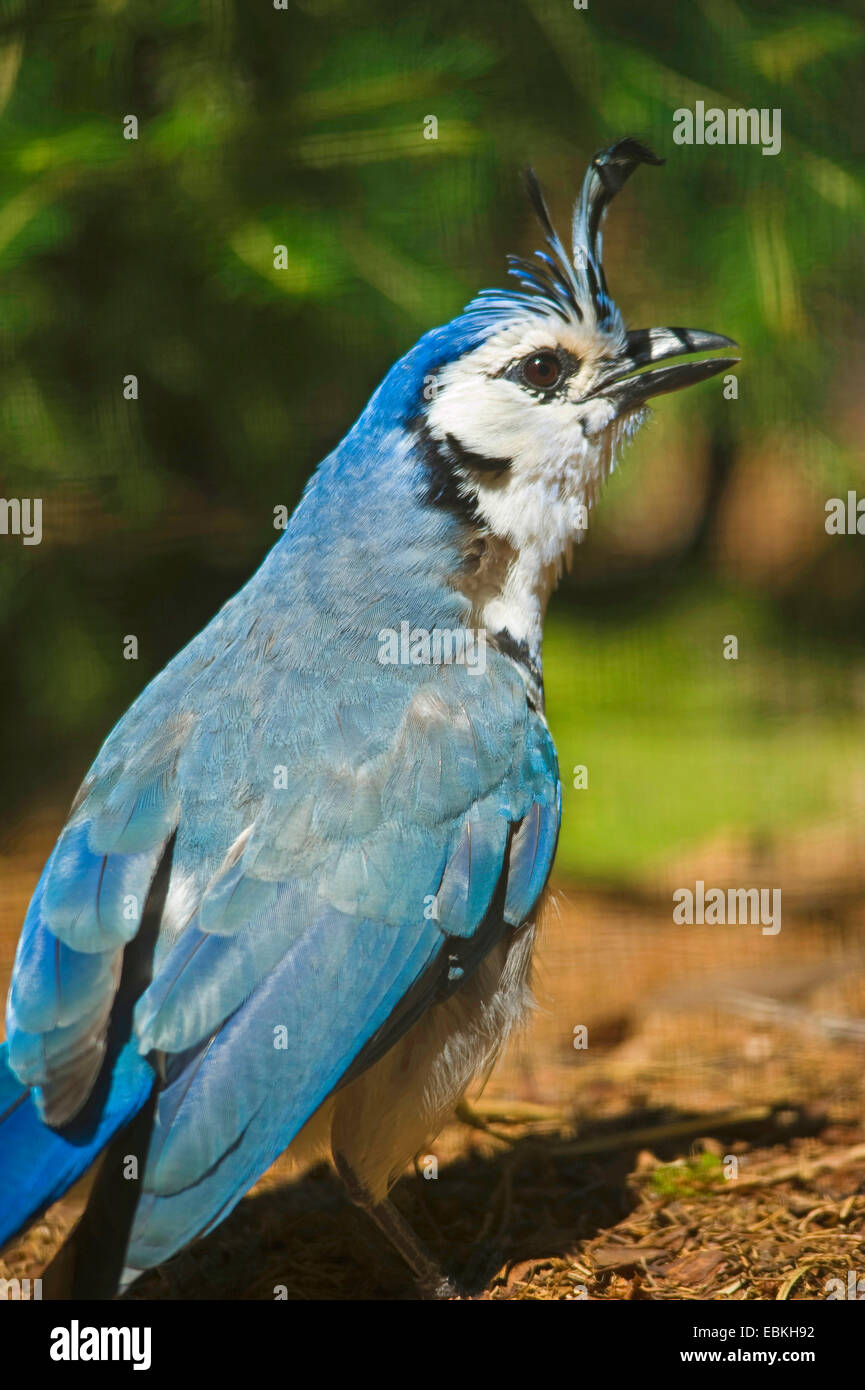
pixel 542 371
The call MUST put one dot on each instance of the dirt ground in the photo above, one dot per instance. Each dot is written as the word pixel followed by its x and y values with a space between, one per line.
pixel 707 1143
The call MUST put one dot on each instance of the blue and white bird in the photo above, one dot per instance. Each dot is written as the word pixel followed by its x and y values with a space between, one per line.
pixel 293 905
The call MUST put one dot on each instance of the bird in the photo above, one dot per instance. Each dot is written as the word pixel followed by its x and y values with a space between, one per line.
pixel 294 905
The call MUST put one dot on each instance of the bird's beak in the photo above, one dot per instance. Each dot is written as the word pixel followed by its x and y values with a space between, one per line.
pixel 627 387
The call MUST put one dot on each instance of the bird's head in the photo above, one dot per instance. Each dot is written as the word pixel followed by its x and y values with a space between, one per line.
pixel 538 388
pixel 510 417
pixel 529 421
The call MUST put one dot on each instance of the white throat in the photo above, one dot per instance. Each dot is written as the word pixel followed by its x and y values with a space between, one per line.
pixel 529 467
pixel 509 590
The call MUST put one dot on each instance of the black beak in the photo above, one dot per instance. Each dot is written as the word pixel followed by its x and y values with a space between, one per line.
pixel 628 388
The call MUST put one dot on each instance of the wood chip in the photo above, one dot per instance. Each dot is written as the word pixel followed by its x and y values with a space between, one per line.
pixel 625 1256
pixel 697 1267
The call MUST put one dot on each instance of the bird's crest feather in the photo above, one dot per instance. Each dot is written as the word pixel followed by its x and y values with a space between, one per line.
pixel 573 287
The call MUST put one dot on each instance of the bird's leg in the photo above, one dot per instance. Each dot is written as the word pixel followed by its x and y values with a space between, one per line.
pixel 467 1114
pixel 470 1115
pixel 432 1280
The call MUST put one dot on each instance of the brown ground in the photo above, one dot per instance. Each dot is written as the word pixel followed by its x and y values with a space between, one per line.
pixel 604 1172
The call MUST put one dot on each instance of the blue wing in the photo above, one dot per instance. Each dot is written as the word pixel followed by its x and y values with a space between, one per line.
pixel 351 902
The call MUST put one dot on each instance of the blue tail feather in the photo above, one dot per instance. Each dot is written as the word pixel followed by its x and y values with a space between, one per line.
pixel 38 1164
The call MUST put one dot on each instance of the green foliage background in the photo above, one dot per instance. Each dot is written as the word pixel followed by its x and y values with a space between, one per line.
pixel 304 126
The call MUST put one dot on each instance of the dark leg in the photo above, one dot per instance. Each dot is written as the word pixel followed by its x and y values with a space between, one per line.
pixel 433 1282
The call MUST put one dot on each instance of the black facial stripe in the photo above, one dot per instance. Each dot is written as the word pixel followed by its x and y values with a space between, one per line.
pixel 442 480
pixel 482 463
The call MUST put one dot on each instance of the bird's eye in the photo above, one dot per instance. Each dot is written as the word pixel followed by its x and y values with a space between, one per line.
pixel 542 371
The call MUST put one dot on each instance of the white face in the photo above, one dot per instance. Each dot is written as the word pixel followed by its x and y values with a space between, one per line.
pixel 529 452
pixel 559 447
